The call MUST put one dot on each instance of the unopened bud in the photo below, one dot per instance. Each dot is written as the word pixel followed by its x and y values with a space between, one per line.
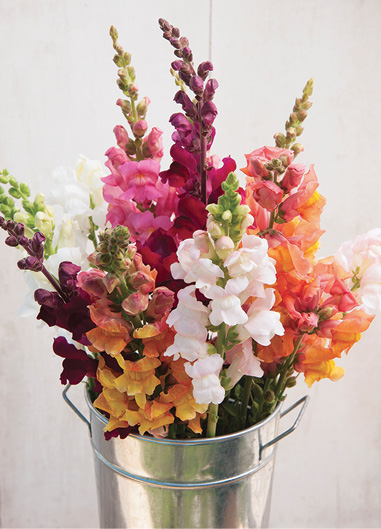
pixel 227 215
pixel 124 105
pixel 113 33
pixel 140 128
pixel 280 139
pixel 291 382
pixel 269 396
pixel 293 118
pixel 142 106
pixel 11 241
pixel 302 114
pixel 291 132
pixel 127 57
pixel 297 148
pixel 325 313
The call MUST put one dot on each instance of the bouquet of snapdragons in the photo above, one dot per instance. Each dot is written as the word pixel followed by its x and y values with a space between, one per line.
pixel 190 304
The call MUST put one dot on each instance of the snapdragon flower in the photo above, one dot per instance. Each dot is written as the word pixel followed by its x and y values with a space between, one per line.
pixel 362 257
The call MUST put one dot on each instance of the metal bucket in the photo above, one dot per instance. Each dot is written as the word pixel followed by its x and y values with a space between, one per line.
pixel 217 482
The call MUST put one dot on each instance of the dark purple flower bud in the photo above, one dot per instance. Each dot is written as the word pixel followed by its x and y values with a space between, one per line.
pixel 185 77
pixel 49 299
pixel 164 25
pixel 2 222
pixel 175 43
pixel 19 229
pixel 204 68
pixel 176 32
pixel 23 241
pixel 187 53
pixel 178 53
pixel 210 89
pixel 30 263
pixel 67 274
pixel 10 225
pixel 12 241
pixel 184 100
pixel 176 65
pixel 196 84
pixel 37 244
pixel 209 113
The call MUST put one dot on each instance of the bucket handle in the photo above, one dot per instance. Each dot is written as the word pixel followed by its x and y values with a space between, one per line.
pixel 304 401
pixel 74 407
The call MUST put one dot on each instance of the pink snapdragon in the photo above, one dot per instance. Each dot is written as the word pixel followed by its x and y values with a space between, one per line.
pixel 242 362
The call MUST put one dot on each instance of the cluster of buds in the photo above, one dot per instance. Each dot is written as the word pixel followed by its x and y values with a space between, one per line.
pixel 114 251
pixel 36 215
pixel 205 111
pixel 229 217
pixel 294 123
pixel 134 112
pixel 34 246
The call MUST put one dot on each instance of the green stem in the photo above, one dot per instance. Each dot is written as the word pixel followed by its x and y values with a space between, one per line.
pixel 245 399
pixel 212 420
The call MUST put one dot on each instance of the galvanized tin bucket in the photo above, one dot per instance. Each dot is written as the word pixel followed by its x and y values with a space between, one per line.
pixel 217 482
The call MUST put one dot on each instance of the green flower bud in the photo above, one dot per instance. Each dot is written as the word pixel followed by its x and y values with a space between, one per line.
pixel 4 178
pixel 227 215
pixel 291 382
pixel 113 33
pixel 297 148
pixel 279 139
pixel 269 396
pixel 13 182
pixel 15 193
pixel 25 189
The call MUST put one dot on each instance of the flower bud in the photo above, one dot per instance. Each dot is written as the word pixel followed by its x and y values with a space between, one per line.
pixel 140 128
pixel 297 148
pixel 269 396
pixel 227 215
pixel 291 382
pixel 12 241
pixel 210 89
pixel 176 65
pixel 142 106
pixel 124 105
pixel 196 84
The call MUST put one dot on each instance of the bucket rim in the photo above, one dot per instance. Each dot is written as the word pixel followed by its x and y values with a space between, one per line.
pixel 191 441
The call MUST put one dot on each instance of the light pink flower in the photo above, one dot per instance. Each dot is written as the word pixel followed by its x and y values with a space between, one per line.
pixel 242 362
pixel 257 159
pixel 362 257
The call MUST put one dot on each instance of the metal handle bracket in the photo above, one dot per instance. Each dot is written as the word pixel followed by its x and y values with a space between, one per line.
pixel 74 408
pixel 304 401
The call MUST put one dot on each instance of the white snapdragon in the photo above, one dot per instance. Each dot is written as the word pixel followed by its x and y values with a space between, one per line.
pixel 205 379
pixel 262 323
pixel 189 320
pixel 362 257
pixel 78 194
pixel 252 261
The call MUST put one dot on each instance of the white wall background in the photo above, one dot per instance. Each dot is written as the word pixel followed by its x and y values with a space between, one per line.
pixel 57 99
